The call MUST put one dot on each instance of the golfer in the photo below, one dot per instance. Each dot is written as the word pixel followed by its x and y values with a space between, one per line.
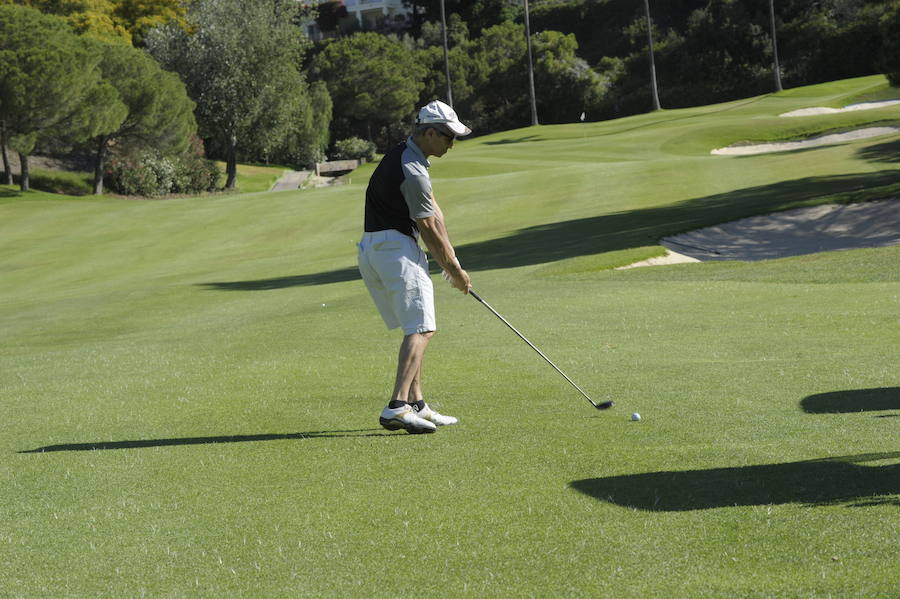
pixel 400 208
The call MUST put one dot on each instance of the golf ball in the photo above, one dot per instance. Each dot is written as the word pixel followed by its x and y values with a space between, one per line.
pixel 323 305
pixel 635 416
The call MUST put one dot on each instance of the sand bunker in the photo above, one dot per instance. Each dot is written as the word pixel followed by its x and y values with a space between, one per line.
pixel 822 140
pixel 795 232
pixel 670 257
pixel 848 108
pixel 789 233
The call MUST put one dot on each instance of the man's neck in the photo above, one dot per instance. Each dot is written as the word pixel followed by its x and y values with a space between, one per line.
pixel 421 142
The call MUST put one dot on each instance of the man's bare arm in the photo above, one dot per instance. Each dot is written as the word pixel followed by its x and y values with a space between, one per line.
pixel 434 234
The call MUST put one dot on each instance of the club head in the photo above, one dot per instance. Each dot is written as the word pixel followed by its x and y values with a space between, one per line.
pixel 604 405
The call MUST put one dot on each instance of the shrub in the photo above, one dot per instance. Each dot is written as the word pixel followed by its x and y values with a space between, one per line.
pixel 150 174
pixel 890 50
pixel 193 172
pixel 353 148
pixel 129 176
pixel 163 170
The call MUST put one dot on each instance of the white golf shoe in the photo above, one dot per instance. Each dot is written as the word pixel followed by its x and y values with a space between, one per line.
pixel 405 417
pixel 433 416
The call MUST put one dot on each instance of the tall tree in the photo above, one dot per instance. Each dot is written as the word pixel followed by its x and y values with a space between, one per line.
pixel 459 62
pixel 238 64
pixel 302 123
pixel 776 68
pixel 653 89
pixel 890 53
pixel 493 69
pixel 311 133
pixel 112 20
pixel 531 93
pixel 138 17
pixel 568 86
pixel 93 18
pixel 476 14
pixel 50 84
pixel 497 72
pixel 446 53
pixel 374 82
pixel 4 149
pixel 159 113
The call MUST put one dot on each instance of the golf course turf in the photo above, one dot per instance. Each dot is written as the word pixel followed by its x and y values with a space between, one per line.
pixel 189 388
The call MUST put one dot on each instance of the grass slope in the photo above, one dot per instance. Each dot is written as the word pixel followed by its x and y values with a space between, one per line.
pixel 184 418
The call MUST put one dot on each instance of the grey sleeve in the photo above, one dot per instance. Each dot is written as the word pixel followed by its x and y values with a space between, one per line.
pixel 416 190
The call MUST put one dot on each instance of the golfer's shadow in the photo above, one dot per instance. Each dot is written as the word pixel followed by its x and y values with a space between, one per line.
pixel 144 443
pixel 860 479
pixel 857 400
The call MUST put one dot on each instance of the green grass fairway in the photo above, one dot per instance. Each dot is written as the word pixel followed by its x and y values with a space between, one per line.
pixel 252 178
pixel 189 388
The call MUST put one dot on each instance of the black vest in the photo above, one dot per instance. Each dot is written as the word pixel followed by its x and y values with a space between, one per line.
pixel 386 208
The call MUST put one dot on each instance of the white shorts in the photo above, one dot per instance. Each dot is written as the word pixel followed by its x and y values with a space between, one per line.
pixel 395 271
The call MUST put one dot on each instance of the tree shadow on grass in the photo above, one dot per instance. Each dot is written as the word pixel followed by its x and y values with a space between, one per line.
pixel 618 231
pixel 814 482
pixel 857 400
pixel 886 152
pixel 145 443
pixel 518 140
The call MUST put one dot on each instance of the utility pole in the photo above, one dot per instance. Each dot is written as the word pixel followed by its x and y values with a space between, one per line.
pixel 656 105
pixel 534 115
pixel 775 67
pixel 446 55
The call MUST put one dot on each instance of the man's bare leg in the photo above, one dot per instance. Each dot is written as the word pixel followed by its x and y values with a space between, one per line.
pixel 408 384
pixel 415 390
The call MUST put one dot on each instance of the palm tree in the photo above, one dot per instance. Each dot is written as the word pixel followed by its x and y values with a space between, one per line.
pixel 446 55
pixel 775 67
pixel 534 116
pixel 656 105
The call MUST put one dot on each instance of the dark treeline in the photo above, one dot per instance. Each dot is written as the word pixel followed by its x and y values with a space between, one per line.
pixel 591 56
pixel 714 50
pixel 247 80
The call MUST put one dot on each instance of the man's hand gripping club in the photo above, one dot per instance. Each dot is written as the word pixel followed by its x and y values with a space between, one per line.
pixel 436 239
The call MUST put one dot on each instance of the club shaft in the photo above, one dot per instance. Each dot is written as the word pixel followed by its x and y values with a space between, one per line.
pixel 530 344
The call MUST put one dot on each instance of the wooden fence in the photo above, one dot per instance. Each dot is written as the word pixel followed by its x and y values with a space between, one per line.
pixel 336 166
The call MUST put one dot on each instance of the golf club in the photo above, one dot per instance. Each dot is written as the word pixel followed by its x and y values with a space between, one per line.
pixel 601 406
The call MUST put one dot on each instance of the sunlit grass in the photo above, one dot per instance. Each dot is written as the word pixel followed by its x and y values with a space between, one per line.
pixel 190 387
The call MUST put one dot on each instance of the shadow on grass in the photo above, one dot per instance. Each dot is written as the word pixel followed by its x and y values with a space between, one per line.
pixel 618 231
pixel 519 140
pixel 144 443
pixel 886 152
pixel 320 278
pixel 66 183
pixel 858 400
pixel 813 482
